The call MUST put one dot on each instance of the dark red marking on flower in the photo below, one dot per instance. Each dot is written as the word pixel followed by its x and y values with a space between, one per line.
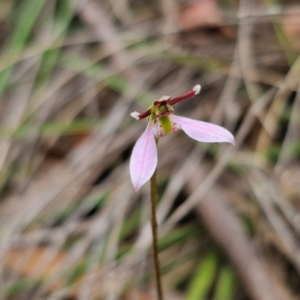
pixel 145 114
pixel 161 102
pixel 170 101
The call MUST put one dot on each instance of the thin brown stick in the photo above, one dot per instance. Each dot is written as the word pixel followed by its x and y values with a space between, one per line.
pixel 153 191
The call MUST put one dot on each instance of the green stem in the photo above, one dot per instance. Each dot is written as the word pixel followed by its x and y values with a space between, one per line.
pixel 153 191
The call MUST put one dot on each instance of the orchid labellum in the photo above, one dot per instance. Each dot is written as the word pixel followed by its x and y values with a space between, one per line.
pixel 162 121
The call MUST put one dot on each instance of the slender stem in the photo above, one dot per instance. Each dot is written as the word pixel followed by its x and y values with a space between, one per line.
pixel 153 185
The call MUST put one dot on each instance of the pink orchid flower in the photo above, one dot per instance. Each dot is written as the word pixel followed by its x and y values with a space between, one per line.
pixel 161 122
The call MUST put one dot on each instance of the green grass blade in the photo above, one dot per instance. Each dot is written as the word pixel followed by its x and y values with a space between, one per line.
pixel 225 288
pixel 203 278
pixel 61 24
pixel 26 16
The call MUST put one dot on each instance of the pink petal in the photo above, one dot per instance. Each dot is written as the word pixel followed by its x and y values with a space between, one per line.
pixel 143 159
pixel 203 131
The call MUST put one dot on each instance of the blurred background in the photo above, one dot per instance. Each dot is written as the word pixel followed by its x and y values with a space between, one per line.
pixel 71 72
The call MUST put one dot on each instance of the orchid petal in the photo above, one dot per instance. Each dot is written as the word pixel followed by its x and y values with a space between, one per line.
pixel 143 159
pixel 203 131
